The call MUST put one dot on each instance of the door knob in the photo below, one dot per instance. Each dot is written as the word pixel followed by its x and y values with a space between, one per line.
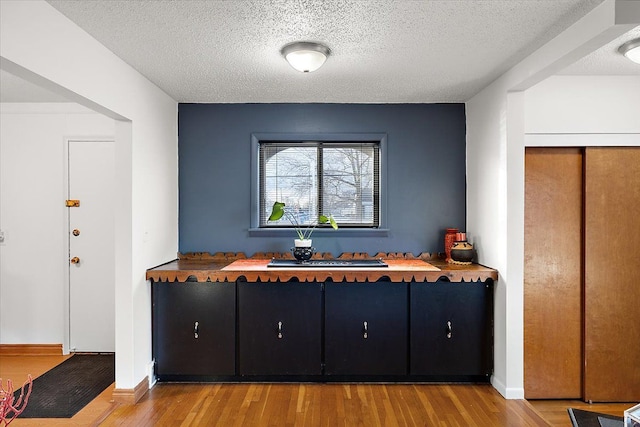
pixel 76 232
pixel 75 260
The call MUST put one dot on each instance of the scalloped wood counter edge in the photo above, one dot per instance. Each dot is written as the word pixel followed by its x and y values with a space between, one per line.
pixel 205 267
pixel 372 326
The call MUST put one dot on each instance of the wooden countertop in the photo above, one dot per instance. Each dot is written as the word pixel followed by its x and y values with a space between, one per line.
pixel 229 267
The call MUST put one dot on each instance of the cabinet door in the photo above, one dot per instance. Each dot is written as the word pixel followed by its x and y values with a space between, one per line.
pixel 450 332
pixel 194 328
pixel 366 328
pixel 280 328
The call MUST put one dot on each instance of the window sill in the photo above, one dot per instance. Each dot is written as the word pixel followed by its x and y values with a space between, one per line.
pixel 341 232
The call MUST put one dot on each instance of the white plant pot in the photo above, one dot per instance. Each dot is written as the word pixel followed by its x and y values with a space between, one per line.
pixel 306 243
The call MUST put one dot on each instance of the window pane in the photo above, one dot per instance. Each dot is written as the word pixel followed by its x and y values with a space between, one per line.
pixel 349 185
pixel 290 176
pixel 313 178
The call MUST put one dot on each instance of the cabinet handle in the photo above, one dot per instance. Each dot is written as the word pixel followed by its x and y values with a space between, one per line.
pixel 195 330
pixel 449 329
pixel 279 330
pixel 365 332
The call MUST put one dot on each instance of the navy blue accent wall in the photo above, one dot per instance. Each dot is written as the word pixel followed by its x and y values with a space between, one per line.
pixel 425 173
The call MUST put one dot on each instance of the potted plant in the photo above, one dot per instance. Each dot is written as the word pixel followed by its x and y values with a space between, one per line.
pixel 302 250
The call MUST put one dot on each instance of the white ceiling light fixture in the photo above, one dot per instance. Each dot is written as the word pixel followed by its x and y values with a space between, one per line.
pixel 631 50
pixel 305 56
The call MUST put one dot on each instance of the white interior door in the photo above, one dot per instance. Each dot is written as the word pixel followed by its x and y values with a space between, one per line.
pixel 91 246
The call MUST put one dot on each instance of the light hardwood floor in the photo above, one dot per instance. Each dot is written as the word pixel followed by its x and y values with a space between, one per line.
pixel 305 404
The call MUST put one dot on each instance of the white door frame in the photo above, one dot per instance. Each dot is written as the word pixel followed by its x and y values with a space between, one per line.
pixel 67 230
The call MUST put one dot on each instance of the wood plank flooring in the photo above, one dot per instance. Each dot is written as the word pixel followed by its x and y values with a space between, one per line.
pixel 305 404
pixel 323 405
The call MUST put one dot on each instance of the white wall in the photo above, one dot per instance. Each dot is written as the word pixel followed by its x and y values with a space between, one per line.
pixel 583 111
pixel 496 121
pixel 492 193
pixel 32 215
pixel 41 45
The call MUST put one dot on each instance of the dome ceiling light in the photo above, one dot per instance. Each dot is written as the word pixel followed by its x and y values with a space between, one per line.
pixel 305 56
pixel 631 50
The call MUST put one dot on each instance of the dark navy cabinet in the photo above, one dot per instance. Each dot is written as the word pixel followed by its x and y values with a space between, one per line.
pixel 194 330
pixel 332 331
pixel 280 328
pixel 451 329
pixel 366 328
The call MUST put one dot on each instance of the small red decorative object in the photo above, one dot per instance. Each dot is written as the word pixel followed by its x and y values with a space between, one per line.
pixel 10 407
pixel 449 238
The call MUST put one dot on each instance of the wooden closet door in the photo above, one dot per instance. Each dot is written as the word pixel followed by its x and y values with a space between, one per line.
pixel 553 273
pixel 612 274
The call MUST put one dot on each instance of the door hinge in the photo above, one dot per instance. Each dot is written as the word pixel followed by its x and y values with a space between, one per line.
pixel 72 203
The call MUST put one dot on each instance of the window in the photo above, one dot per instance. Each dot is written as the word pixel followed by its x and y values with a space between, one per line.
pixel 339 178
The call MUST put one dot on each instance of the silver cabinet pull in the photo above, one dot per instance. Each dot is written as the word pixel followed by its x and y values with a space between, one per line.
pixel 195 330
pixel 449 329
pixel 365 332
pixel 279 330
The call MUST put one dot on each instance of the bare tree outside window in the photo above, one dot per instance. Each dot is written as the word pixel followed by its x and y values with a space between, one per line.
pixel 348 184
pixel 316 178
pixel 290 175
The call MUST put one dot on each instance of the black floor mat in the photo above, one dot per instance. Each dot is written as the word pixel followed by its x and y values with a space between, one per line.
pixel 70 386
pixel 580 418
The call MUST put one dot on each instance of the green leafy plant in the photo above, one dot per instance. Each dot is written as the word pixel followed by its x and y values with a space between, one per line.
pixel 304 232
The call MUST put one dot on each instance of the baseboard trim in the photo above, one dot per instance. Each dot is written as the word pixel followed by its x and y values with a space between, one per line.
pixel 130 396
pixel 31 350
pixel 507 392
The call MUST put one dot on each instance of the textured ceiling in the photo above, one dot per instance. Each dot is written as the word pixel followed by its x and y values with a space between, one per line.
pixel 382 50
pixel 607 60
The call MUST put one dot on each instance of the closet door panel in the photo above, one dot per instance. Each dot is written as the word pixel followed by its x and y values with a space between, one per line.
pixel 553 273
pixel 612 274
